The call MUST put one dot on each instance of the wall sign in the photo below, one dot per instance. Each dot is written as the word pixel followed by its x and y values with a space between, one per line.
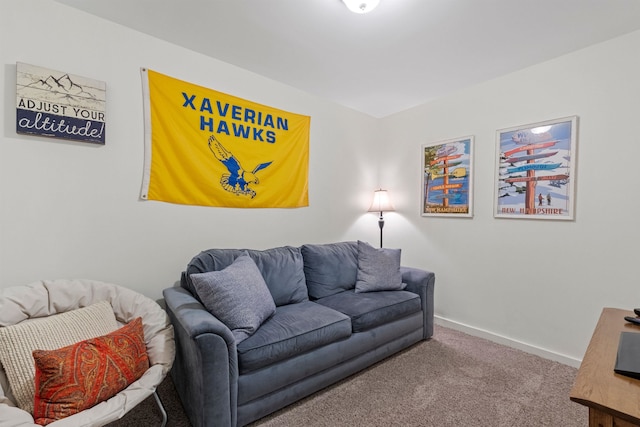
pixel 59 105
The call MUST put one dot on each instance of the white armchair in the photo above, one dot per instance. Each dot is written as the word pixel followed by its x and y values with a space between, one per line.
pixel 46 298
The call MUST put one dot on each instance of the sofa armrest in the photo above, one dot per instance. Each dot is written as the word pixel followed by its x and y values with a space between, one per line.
pixel 422 282
pixel 205 370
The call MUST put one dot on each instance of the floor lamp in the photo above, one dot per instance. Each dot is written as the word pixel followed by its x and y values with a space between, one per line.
pixel 381 203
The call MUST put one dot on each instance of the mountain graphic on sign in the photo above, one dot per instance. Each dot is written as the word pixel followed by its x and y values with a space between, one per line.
pixel 63 86
pixel 44 87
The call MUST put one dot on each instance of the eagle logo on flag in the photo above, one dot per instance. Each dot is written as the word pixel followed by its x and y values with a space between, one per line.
pixel 238 179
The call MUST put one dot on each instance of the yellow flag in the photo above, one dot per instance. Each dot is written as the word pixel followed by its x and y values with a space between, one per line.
pixel 207 148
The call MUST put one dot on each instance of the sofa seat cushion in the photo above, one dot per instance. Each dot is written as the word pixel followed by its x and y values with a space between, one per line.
pixel 292 330
pixel 370 309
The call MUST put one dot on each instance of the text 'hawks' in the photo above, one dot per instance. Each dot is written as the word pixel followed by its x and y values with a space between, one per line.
pixel 236 113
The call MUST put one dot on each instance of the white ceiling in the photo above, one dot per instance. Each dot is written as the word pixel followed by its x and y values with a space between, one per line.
pixel 402 54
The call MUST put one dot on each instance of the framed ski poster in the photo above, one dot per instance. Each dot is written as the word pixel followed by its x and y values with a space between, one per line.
pixel 447 178
pixel 536 170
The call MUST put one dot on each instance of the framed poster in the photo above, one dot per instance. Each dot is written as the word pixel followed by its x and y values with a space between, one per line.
pixel 447 178
pixel 60 105
pixel 535 170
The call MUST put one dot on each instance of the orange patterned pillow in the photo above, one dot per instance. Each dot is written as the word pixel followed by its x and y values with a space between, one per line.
pixel 79 376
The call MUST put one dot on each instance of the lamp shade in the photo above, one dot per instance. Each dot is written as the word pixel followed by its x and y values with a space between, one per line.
pixel 381 202
pixel 361 6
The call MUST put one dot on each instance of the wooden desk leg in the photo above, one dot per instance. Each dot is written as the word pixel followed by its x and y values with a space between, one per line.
pixel 599 419
pixel 602 419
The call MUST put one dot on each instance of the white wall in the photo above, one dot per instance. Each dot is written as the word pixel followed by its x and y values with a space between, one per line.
pixel 72 210
pixel 542 283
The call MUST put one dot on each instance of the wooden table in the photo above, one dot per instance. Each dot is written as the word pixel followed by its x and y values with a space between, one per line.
pixel 613 399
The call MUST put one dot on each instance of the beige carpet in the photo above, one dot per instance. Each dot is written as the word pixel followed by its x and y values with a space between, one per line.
pixel 452 380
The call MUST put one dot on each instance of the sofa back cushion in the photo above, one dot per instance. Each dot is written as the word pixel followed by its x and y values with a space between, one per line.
pixel 330 268
pixel 281 268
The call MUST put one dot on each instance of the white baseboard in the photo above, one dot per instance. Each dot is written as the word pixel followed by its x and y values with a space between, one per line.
pixel 481 333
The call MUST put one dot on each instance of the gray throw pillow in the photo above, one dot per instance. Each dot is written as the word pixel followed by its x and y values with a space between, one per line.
pixel 378 269
pixel 237 295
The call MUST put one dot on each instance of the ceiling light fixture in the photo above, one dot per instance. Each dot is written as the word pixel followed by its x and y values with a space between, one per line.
pixel 361 6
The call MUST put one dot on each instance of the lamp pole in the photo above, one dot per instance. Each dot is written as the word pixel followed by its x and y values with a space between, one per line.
pixel 381 204
pixel 381 224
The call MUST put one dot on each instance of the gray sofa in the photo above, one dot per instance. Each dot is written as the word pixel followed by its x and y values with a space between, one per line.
pixel 322 330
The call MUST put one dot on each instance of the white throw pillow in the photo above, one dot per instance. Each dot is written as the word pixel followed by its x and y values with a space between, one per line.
pixel 17 343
